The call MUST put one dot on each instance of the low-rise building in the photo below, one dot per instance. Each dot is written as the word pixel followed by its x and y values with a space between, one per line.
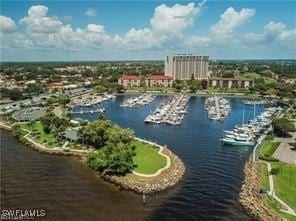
pixel 159 80
pixel 230 82
pixel 130 80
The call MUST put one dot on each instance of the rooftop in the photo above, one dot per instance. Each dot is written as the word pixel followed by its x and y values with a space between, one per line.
pixel 27 114
pixel 231 79
pixel 159 77
pixel 130 77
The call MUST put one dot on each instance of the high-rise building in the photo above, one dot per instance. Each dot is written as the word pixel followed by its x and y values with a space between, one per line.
pixel 186 66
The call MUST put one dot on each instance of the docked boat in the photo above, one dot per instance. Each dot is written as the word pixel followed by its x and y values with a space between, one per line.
pixel 218 108
pixel 236 142
pixel 172 112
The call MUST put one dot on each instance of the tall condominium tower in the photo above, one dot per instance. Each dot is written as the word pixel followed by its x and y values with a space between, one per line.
pixel 186 66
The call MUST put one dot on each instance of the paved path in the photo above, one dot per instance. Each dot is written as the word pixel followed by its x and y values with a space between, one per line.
pixel 58 111
pixel 65 145
pixel 284 152
pixel 271 192
pixel 3 125
pixel 159 152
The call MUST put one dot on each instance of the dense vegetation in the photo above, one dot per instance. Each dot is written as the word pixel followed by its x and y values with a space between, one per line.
pixel 115 150
pixel 53 124
pixel 282 127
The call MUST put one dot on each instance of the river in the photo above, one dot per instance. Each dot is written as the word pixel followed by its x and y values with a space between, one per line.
pixel 68 190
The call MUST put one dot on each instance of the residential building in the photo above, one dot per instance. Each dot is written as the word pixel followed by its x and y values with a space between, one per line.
pixel 230 82
pixel 187 66
pixel 130 80
pixel 159 80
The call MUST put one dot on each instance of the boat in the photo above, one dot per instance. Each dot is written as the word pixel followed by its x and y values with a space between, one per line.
pixel 236 142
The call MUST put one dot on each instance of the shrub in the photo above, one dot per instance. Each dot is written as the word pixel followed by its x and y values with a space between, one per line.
pixel 270 159
pixel 274 171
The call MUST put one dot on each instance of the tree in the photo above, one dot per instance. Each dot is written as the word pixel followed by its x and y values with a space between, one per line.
pixel 63 100
pixel 282 127
pixel 119 88
pixel 113 158
pixel 204 84
pixel 95 133
pixel 16 130
pixel 100 89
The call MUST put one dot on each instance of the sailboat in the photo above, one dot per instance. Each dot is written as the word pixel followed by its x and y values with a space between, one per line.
pixel 241 136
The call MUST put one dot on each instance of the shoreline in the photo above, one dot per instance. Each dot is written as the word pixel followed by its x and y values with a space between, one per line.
pixel 204 94
pixel 249 196
pixel 165 178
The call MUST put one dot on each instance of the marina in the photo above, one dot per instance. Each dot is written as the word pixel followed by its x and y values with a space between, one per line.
pixel 87 111
pixel 218 108
pixel 92 100
pixel 171 112
pixel 140 100
pixel 247 134
pixel 258 102
pixel 210 165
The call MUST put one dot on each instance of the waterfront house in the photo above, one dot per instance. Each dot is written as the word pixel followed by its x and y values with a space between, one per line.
pixel 159 80
pixel 230 82
pixel 130 80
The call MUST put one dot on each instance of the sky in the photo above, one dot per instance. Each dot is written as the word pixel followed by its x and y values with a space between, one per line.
pixel 146 30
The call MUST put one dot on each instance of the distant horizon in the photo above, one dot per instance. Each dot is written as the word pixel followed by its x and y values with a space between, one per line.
pixel 144 60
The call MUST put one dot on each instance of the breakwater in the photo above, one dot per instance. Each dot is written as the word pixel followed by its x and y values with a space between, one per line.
pixel 166 179
pixel 250 197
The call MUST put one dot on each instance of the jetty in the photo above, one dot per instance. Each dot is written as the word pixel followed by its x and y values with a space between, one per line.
pixel 218 108
pixel 100 110
pixel 140 100
pixel 171 112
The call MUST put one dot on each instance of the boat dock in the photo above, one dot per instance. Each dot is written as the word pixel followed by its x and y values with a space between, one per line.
pixel 140 100
pixel 218 108
pixel 171 112
pixel 100 110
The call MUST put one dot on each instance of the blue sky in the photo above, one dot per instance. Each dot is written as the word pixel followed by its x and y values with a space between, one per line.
pixel 139 30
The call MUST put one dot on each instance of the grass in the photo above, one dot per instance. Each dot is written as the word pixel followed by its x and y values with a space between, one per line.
pixel 264 176
pixel 285 183
pixel 267 80
pixel 285 187
pixel 40 136
pixel 273 204
pixel 147 159
pixel 268 147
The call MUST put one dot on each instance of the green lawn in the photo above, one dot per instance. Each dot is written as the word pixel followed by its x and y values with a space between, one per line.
pixel 274 205
pixel 268 147
pixel 39 134
pixel 285 183
pixel 264 176
pixel 147 159
pixel 267 80
pixel 285 187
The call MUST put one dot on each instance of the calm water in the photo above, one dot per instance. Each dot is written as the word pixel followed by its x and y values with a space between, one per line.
pixel 71 191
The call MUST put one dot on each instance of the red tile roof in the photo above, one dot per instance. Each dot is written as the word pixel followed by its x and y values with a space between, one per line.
pixel 130 77
pixel 159 77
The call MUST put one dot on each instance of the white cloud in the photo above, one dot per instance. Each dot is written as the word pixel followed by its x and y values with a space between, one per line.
pixel 173 20
pixel 38 22
pixel 274 34
pixel 91 12
pixel 7 25
pixel 229 21
pixel 196 41
pixel 96 28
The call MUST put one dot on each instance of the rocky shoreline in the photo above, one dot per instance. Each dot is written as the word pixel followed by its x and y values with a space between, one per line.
pixel 250 197
pixel 166 179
